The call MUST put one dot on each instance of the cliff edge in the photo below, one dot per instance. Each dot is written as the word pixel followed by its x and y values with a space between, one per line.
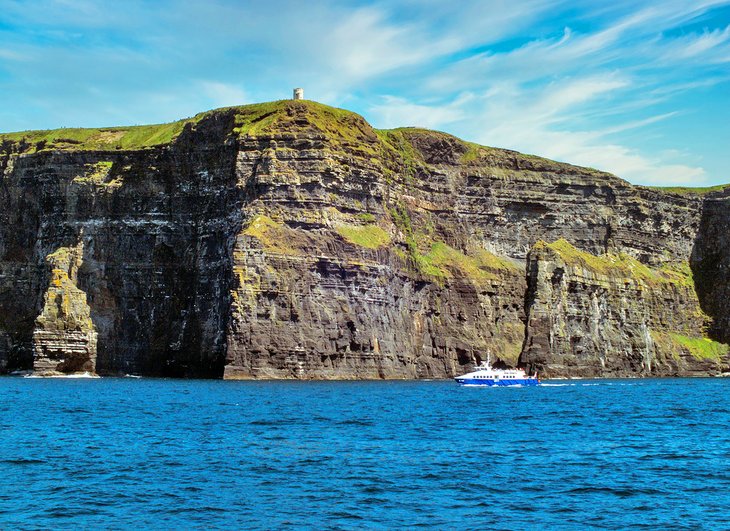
pixel 292 240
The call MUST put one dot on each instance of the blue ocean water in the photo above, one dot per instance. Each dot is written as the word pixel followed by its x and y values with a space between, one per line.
pixel 121 453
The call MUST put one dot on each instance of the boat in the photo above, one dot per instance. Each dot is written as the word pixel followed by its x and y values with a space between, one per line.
pixel 486 375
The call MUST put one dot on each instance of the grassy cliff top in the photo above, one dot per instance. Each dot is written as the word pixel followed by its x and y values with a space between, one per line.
pixel 256 119
pixel 688 190
pixel 104 138
pixel 413 146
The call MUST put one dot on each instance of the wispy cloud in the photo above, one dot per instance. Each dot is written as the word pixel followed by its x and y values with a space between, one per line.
pixel 397 112
pixel 564 96
pixel 224 94
pixel 590 84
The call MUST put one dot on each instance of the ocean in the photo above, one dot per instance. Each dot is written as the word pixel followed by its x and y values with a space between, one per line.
pixel 154 453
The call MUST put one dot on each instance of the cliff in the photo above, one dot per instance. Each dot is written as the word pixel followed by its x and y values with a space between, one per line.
pixel 292 240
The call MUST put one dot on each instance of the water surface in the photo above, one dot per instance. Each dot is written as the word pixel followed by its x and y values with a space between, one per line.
pixel 169 453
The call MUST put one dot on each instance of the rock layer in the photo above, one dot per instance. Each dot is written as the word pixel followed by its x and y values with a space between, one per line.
pixel 613 316
pixel 64 338
pixel 292 240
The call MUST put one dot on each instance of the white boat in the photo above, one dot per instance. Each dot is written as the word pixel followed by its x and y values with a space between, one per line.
pixel 486 375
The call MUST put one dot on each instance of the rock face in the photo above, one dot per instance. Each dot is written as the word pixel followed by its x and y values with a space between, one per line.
pixel 614 316
pixel 710 261
pixel 292 240
pixel 64 338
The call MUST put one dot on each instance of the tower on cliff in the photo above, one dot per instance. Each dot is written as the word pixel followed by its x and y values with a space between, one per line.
pixel 298 94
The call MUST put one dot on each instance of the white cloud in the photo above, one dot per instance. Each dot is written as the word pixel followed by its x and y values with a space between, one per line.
pixel 224 94
pixel 709 45
pixel 11 55
pixel 541 121
pixel 530 75
pixel 397 112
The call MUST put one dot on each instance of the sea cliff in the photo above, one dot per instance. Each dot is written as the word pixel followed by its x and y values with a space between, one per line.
pixel 292 240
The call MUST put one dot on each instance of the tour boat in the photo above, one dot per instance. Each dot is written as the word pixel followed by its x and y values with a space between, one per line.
pixel 486 375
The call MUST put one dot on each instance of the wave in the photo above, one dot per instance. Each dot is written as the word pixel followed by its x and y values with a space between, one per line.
pixel 74 375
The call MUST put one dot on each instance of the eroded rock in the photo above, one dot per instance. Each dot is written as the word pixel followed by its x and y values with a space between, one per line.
pixel 292 240
pixel 64 338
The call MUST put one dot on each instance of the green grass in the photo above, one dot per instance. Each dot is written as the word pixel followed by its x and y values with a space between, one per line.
pixel 399 149
pixel 368 236
pixel 678 273
pixel 366 217
pixel 687 190
pixel 448 261
pixel 275 237
pixel 437 259
pixel 303 115
pixel 475 152
pixel 698 347
pixel 702 347
pixel 443 260
pixel 110 138
pixel 620 265
pixel 257 119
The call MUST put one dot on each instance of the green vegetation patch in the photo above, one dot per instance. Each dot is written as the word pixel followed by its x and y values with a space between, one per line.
pixel 257 119
pixel 439 260
pixel 475 152
pixel 494 262
pixel 443 260
pixel 97 173
pixel 84 139
pixel 698 347
pixel 687 190
pixel 366 217
pixel 292 116
pixel 702 347
pixel 369 236
pixel 276 237
pixel 620 265
pixel 398 148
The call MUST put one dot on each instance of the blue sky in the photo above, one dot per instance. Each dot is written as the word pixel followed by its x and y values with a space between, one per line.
pixel 641 89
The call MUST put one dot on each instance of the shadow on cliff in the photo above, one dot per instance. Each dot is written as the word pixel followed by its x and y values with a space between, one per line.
pixel 158 275
pixel 710 264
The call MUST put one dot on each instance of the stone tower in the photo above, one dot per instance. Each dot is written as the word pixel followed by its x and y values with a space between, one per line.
pixel 298 93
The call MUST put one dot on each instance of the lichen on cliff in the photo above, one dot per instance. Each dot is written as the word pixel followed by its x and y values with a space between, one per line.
pixel 619 265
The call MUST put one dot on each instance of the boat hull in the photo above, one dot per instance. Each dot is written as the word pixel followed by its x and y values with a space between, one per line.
pixel 498 383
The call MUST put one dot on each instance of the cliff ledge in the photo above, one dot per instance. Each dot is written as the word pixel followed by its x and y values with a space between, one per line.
pixel 292 240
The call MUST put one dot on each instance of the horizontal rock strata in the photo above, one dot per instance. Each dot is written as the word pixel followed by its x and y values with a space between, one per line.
pixel 292 240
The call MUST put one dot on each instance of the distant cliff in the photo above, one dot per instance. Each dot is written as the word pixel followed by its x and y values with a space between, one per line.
pixel 292 240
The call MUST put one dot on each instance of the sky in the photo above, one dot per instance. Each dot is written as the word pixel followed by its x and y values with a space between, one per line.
pixel 637 88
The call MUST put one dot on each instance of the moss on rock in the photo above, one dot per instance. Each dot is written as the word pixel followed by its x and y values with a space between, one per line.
pixel 618 265
pixel 369 236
